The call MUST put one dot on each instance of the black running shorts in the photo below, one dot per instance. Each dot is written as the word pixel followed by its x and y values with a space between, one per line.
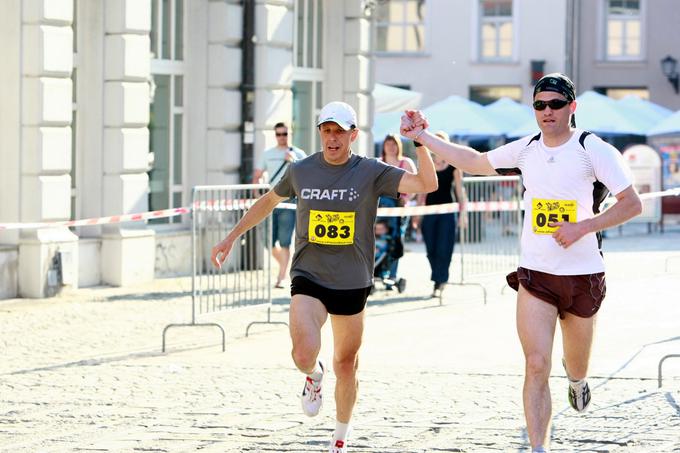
pixel 337 301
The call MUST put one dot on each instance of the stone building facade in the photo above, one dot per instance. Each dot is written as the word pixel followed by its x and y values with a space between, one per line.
pixel 122 106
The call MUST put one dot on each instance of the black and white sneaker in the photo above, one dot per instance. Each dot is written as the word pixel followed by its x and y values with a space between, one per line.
pixel 578 392
pixel 579 396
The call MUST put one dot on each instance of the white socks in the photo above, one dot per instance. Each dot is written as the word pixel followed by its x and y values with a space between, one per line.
pixel 317 374
pixel 577 386
pixel 341 430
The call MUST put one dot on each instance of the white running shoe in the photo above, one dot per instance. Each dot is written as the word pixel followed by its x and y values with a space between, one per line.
pixel 579 397
pixel 338 446
pixel 311 395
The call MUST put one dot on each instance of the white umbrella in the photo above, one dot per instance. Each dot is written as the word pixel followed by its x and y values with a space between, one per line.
pixel 668 126
pixel 461 117
pixel 509 114
pixel 645 113
pixel 392 99
pixel 385 123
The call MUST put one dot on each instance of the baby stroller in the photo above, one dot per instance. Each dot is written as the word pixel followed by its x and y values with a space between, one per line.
pixel 388 249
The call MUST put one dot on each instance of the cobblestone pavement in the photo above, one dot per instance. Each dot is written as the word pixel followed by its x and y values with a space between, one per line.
pixel 84 372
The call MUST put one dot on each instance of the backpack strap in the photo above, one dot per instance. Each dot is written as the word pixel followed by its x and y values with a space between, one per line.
pixel 600 192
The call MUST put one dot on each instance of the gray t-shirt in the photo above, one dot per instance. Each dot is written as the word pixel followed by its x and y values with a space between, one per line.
pixel 337 204
pixel 272 159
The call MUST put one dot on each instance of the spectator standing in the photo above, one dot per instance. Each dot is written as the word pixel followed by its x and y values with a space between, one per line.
pixel 393 154
pixel 439 230
pixel 269 168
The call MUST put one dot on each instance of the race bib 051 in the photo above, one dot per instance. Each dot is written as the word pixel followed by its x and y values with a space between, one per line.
pixel 544 212
pixel 331 228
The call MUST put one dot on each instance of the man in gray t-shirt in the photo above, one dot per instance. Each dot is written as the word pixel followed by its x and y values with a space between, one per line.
pixel 332 268
pixel 334 242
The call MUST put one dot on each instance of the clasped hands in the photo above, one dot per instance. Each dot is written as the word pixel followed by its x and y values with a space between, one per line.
pixel 413 122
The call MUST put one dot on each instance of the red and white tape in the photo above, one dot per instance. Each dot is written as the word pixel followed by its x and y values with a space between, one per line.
pixel 243 204
pixel 98 220
pixel 493 206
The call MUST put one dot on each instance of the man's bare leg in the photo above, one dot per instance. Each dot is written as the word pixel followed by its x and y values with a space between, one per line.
pixel 577 341
pixel 536 330
pixel 347 336
pixel 307 316
pixel 577 338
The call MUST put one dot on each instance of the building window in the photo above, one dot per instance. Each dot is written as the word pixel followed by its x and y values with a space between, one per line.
pixel 487 94
pixel 308 74
pixel 167 29
pixel 496 30
pixel 308 33
pixel 624 30
pixel 306 105
pixel 166 126
pixel 400 26
pixel 619 93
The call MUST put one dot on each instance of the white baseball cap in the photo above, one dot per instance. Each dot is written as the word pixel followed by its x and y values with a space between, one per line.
pixel 340 113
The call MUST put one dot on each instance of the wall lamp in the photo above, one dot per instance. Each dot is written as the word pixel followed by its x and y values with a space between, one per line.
pixel 669 67
pixel 370 7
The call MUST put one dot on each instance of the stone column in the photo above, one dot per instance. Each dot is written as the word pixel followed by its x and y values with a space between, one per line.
pixel 128 250
pixel 10 142
pixel 349 66
pixel 225 31
pixel 45 162
pixel 274 30
pixel 359 76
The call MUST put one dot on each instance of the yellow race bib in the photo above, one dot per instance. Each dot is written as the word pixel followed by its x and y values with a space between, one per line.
pixel 331 228
pixel 544 212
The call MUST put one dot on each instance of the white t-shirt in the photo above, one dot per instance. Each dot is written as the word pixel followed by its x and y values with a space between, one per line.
pixel 560 182
pixel 272 159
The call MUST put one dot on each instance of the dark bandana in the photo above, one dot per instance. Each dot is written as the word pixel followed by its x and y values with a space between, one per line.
pixel 558 83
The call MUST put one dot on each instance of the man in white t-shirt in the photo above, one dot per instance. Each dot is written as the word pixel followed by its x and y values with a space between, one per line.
pixel 566 173
pixel 269 168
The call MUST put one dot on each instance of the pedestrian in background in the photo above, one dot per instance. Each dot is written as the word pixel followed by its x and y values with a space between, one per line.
pixel 393 154
pixel 439 230
pixel 567 173
pixel 269 168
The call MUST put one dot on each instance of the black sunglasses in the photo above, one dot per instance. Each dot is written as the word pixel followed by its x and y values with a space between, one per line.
pixel 282 134
pixel 554 104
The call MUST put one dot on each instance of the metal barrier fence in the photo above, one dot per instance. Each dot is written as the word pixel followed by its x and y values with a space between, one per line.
pixel 245 277
pixel 490 243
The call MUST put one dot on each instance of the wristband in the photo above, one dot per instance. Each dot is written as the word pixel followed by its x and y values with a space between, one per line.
pixel 417 144
pixel 419 134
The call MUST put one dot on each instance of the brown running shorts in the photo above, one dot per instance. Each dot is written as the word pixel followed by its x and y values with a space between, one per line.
pixel 580 295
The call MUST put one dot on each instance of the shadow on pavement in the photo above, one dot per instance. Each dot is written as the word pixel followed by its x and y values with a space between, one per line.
pixel 156 295
pixel 105 360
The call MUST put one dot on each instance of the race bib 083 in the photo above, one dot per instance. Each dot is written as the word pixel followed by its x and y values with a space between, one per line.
pixel 544 212
pixel 331 228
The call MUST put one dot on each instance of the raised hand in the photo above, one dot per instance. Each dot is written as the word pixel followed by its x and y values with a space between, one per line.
pixel 412 123
pixel 418 118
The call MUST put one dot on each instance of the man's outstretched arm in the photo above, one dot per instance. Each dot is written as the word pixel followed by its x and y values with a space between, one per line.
pixel 256 214
pixel 414 126
pixel 425 178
